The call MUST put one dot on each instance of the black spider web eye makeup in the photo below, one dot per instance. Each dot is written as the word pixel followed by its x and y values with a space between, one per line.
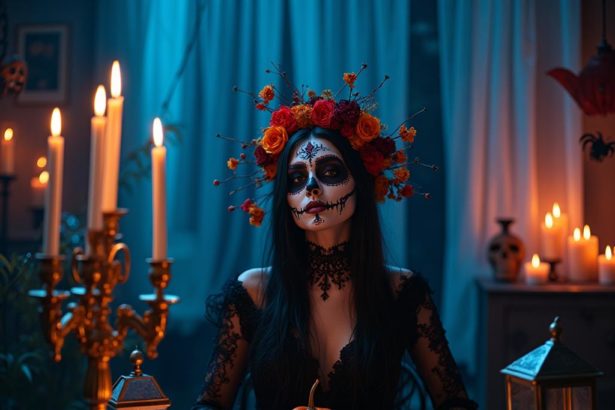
pixel 330 170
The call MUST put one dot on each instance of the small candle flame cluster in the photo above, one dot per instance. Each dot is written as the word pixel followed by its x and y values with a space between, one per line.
pixel 578 253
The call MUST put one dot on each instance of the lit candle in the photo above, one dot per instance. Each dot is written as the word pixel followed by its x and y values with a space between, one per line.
pixel 38 186
pixel 553 244
pixel 112 141
pixel 583 256
pixel 606 267
pixel 536 272
pixel 97 131
pixel 159 191
pixel 53 194
pixel 7 159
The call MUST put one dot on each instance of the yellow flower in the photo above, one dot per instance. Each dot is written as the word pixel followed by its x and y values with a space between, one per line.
pixel 267 93
pixel 303 115
pixel 407 135
pixel 256 215
pixel 232 163
pixel 274 139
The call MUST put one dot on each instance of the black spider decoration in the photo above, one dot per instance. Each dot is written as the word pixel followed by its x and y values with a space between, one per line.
pixel 599 148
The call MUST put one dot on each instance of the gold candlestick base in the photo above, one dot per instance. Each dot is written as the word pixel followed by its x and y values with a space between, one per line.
pixel 98 271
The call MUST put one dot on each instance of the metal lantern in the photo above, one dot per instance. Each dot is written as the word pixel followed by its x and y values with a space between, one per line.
pixel 551 377
pixel 138 391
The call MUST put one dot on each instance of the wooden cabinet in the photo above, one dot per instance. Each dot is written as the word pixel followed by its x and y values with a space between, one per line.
pixel 514 319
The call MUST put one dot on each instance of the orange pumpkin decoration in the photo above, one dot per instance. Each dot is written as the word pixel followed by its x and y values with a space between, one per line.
pixel 310 405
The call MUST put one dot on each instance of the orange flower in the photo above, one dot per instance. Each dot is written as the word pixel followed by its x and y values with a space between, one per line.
pixel 256 215
pixel 267 93
pixel 270 171
pixel 303 115
pixel 368 127
pixel 400 157
pixel 232 163
pixel 350 78
pixel 274 139
pixel 381 187
pixel 407 134
pixel 401 174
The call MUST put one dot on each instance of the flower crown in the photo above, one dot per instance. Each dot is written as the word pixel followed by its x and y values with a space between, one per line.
pixel 350 117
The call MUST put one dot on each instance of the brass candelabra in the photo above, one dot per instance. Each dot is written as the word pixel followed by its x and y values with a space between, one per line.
pixel 98 271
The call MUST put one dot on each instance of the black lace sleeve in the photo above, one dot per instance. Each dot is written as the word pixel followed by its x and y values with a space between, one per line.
pixel 234 313
pixel 427 344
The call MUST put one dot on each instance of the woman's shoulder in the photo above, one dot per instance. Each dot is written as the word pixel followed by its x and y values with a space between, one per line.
pixel 254 281
pixel 407 283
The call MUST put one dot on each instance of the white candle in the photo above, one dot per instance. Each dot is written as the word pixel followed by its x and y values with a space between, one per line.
pixel 553 244
pixel 159 191
pixel 38 186
pixel 606 267
pixel 96 160
pixel 583 256
pixel 7 153
pixel 536 272
pixel 113 141
pixel 53 195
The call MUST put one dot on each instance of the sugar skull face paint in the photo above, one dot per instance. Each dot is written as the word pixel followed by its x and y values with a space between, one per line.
pixel 320 187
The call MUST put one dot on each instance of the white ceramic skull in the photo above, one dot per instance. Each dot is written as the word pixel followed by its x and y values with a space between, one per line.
pixel 506 253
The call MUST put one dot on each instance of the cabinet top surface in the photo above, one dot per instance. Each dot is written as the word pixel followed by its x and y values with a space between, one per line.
pixel 492 286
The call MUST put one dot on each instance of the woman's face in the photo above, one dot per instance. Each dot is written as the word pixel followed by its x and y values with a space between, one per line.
pixel 320 188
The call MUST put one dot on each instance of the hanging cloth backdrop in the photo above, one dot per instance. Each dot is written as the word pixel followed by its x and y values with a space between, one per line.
pixel 510 136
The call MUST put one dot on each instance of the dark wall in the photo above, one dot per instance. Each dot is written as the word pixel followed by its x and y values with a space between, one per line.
pixel 31 122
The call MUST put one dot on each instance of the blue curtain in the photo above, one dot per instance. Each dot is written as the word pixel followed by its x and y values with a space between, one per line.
pixel 314 42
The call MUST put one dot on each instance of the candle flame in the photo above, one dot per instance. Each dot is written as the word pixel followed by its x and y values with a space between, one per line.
pixel 548 220
pixel 556 211
pixel 43 178
pixel 577 234
pixel 56 122
pixel 586 232
pixel 41 162
pixel 116 80
pixel 157 130
pixel 535 261
pixel 607 253
pixel 8 134
pixel 100 101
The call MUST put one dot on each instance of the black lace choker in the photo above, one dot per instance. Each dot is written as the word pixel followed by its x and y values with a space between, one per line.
pixel 327 266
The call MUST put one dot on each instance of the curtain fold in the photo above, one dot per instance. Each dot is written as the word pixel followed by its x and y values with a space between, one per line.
pixel 314 42
pixel 509 133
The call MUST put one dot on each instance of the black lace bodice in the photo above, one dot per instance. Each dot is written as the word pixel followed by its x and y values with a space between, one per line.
pixel 418 331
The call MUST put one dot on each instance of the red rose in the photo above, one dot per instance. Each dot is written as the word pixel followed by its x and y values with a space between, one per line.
pixel 262 158
pixel 372 159
pixel 347 113
pixel 386 146
pixel 245 206
pixel 347 131
pixel 322 113
pixel 407 191
pixel 284 117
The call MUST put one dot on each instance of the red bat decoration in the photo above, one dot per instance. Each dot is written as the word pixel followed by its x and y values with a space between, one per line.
pixel 594 88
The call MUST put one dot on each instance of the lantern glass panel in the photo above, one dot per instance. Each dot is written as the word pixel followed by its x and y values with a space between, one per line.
pixel 555 398
pixel 522 396
pixel 582 397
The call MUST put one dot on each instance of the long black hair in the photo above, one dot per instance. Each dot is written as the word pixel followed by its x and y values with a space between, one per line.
pixel 286 314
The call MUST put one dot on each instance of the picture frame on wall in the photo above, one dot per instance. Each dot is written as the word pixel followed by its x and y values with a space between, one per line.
pixel 44 47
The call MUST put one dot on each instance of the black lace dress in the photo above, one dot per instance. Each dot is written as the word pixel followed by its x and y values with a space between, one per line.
pixel 419 332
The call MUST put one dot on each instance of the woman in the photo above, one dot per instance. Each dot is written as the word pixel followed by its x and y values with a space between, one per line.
pixel 327 308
